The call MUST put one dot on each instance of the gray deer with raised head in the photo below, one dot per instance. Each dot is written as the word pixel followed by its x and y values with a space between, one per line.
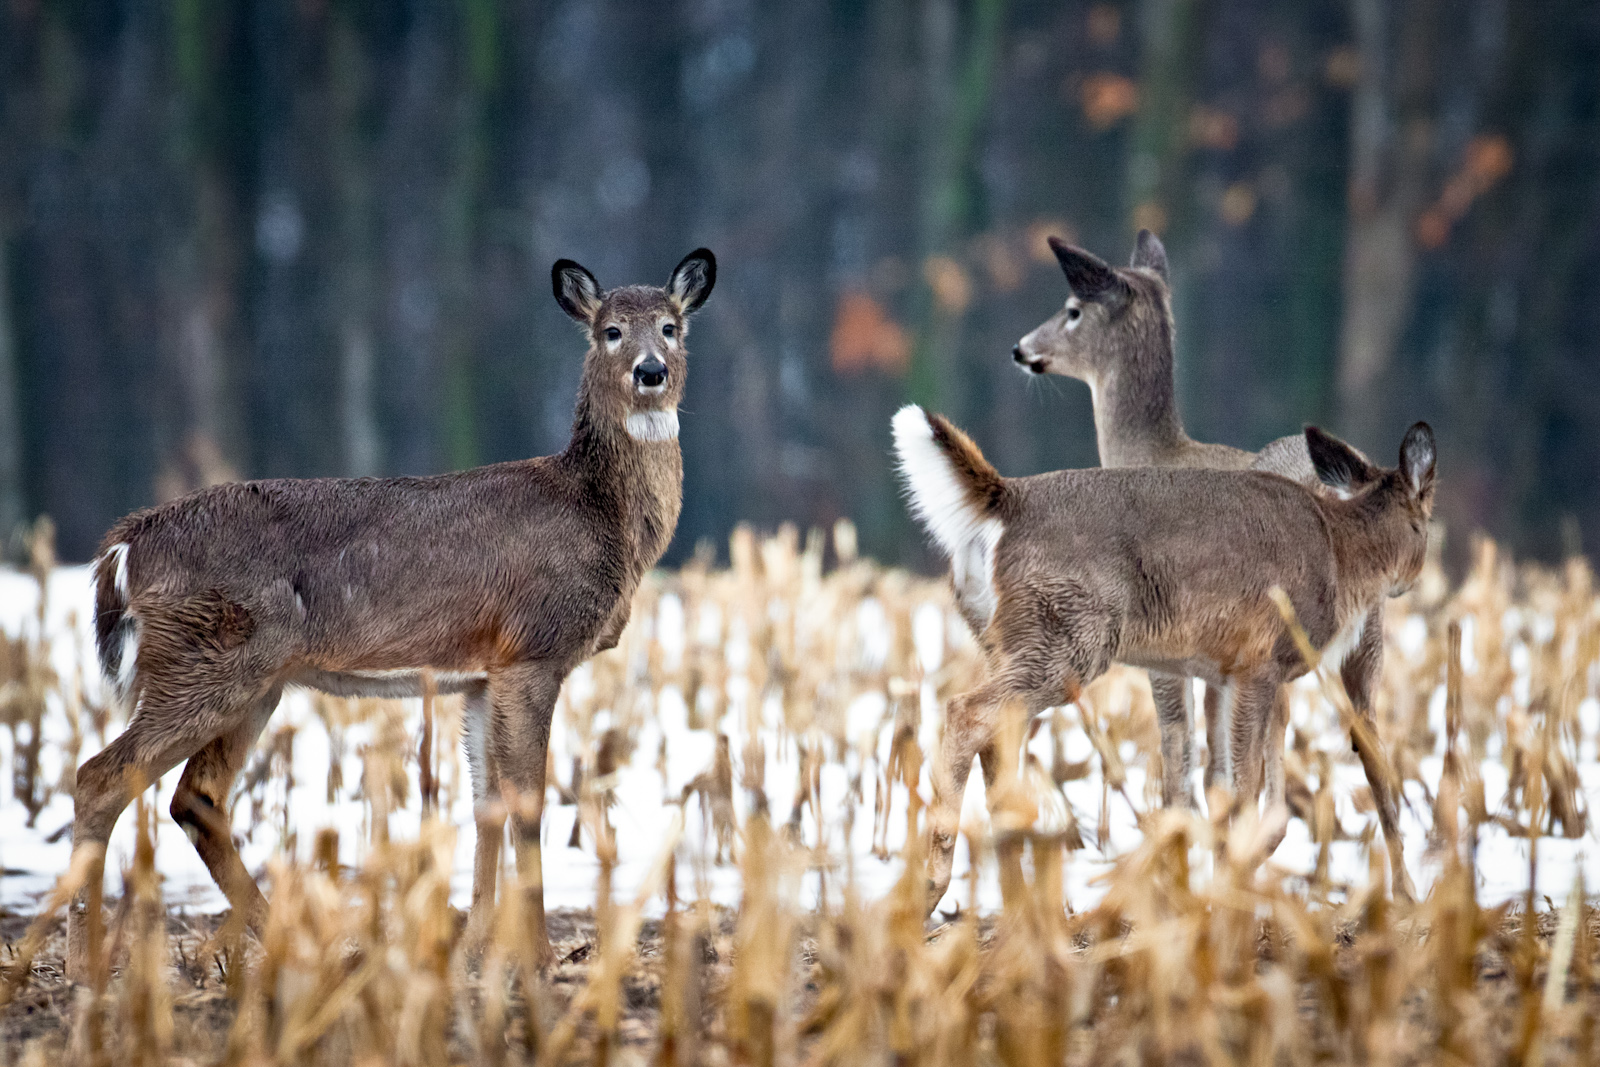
pixel 500 579
pixel 1115 333
pixel 1062 574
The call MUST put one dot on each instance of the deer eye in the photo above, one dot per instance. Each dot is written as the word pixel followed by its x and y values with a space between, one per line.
pixel 668 329
pixel 613 334
pixel 1074 314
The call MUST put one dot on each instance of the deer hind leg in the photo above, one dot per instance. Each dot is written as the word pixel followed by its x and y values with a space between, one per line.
pixel 1277 802
pixel 194 673
pixel 157 739
pixel 1250 713
pixel 1359 673
pixel 969 727
pixel 1173 695
pixel 489 815
pixel 521 702
pixel 1009 858
pixel 106 784
pixel 1050 640
pixel 1216 738
pixel 200 806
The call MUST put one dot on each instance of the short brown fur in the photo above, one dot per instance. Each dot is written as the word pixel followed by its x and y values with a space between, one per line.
pixel 502 578
pixel 1170 570
pixel 1121 344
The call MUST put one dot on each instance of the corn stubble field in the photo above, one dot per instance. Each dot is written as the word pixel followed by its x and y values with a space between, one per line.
pixel 1187 951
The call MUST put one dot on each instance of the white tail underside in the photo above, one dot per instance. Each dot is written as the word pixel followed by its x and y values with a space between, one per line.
pixel 942 504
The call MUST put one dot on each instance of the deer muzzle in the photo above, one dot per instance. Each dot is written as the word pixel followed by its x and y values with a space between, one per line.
pixel 1037 366
pixel 650 376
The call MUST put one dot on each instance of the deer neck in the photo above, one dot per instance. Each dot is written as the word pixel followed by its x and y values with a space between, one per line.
pixel 1136 416
pixel 637 478
pixel 1365 550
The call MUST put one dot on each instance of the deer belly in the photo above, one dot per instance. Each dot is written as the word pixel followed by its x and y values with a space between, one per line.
pixel 386 685
pixel 1206 669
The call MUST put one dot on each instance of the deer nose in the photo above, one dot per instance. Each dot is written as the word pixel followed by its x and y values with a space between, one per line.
pixel 1016 354
pixel 650 374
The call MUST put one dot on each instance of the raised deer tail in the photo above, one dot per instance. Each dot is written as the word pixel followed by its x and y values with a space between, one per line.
pixel 955 493
pixel 115 630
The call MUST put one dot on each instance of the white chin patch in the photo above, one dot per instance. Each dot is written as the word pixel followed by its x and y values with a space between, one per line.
pixel 653 425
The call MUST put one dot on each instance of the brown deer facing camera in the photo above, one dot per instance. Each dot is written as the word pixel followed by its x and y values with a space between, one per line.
pixel 1115 333
pixel 1061 574
pixel 500 579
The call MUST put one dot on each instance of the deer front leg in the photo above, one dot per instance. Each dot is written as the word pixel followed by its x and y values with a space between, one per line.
pixel 1173 695
pixel 611 632
pixel 1359 673
pixel 521 701
pixel 489 817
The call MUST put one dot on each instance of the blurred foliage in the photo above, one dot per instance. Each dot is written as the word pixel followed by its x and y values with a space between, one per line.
pixel 242 238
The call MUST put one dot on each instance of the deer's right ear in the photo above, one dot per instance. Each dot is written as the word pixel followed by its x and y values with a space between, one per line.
pixel 1150 254
pixel 692 279
pixel 576 290
pixel 1417 459
pixel 1336 463
pixel 1088 276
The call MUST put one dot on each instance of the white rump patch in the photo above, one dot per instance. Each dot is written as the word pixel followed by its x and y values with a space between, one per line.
pixel 653 425
pixel 940 502
pixel 129 655
pixel 117 556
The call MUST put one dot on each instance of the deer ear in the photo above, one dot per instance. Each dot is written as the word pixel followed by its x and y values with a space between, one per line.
pixel 692 279
pixel 1088 276
pixel 1150 254
pixel 576 290
pixel 1417 459
pixel 1336 463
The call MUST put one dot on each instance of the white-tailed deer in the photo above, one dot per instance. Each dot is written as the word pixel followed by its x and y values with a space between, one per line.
pixel 500 579
pixel 1115 333
pixel 1061 574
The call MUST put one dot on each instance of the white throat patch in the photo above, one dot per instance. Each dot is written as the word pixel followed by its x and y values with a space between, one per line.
pixel 653 425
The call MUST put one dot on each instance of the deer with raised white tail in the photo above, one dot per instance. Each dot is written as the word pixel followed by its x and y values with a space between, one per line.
pixel 499 579
pixel 1062 574
pixel 1115 333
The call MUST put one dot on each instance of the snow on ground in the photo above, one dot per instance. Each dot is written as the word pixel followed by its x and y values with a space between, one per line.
pixel 645 798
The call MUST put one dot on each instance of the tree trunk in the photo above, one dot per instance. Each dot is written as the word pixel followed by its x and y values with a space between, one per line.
pixel 11 498
pixel 955 95
pixel 1391 148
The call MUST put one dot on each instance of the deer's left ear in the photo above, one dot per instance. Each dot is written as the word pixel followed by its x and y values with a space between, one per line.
pixel 1417 459
pixel 1150 254
pixel 692 279
pixel 1337 464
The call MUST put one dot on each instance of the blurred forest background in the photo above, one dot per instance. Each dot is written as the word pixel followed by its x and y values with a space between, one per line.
pixel 304 237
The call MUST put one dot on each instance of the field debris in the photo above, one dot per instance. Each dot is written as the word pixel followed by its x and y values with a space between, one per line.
pixel 741 788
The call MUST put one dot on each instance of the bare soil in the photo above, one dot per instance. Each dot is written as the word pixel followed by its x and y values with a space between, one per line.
pixel 37 1026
